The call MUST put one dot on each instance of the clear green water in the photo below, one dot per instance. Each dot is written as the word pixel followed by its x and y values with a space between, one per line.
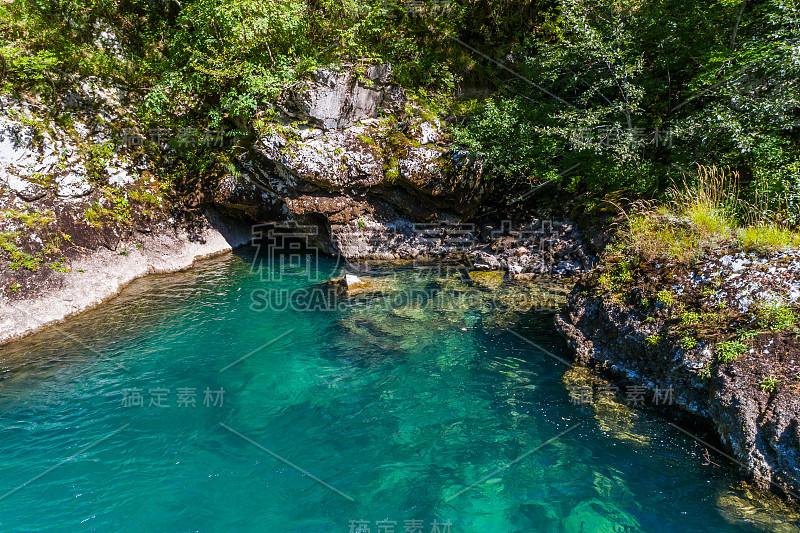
pixel 398 411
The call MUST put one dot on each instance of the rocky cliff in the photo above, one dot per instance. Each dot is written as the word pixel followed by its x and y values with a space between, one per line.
pixel 91 197
pixel 721 333
pixel 351 153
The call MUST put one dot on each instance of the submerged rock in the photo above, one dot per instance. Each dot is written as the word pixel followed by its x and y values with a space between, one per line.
pixel 599 516
pixel 758 509
pixel 350 285
pixel 613 416
pixel 489 280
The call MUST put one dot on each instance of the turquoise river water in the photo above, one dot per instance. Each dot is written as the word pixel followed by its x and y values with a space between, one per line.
pixel 185 405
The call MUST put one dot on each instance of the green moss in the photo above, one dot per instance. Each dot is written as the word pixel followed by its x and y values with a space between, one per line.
pixel 391 170
pixel 34 220
pixel 366 139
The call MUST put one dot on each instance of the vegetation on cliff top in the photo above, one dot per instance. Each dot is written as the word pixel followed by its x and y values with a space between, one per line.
pixel 710 277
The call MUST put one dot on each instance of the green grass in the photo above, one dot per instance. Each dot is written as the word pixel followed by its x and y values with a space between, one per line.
pixel 705 214
pixel 764 239
pixel 776 316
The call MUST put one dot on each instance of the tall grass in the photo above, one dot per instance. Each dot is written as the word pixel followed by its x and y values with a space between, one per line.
pixel 703 214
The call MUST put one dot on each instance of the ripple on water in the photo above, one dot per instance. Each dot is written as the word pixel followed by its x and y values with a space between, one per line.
pixel 414 412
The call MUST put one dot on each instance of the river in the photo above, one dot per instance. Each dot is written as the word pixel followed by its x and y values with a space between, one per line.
pixel 186 404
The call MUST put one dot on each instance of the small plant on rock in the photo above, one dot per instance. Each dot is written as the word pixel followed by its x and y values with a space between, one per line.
pixel 665 297
pixel 729 350
pixel 690 318
pixel 747 334
pixel 769 384
pixel 687 343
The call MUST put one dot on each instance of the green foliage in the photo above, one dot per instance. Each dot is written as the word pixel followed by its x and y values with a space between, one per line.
pixel 665 297
pixel 769 384
pixel 727 351
pixel 777 315
pixel 636 92
pixel 605 96
pixel 503 130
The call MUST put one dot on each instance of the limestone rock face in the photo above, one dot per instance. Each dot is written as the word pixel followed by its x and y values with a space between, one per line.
pixel 339 99
pixel 335 161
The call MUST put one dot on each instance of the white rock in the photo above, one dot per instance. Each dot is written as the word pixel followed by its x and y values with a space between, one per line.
pixel 73 185
pixel 119 177
pixel 351 280
pixel 428 133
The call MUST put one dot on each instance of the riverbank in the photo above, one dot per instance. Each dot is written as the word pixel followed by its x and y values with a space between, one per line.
pixel 100 274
